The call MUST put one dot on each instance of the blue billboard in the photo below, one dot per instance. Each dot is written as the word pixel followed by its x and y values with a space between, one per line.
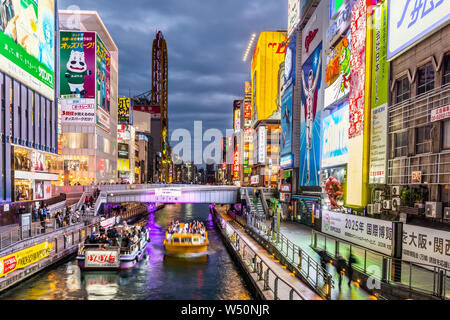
pixel 290 61
pixel 335 137
pixel 310 133
pixel 286 122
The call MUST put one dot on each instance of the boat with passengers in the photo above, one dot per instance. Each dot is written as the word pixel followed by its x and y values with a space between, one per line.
pixel 116 247
pixel 186 238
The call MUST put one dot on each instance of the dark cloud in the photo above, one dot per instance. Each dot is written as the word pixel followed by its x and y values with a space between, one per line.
pixel 206 41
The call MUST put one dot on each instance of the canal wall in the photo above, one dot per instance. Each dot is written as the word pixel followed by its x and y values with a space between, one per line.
pixel 63 243
pixel 256 287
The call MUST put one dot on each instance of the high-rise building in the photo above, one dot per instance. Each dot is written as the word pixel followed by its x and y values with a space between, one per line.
pixel 88 99
pixel 29 110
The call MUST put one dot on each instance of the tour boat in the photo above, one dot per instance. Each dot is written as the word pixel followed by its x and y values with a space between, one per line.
pixel 186 243
pixel 107 257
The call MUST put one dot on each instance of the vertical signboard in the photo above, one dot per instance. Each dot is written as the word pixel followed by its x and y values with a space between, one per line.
pixel 262 145
pixel 77 64
pixel 27 38
pixel 359 136
pixel 310 133
pixel 286 122
pixel 338 72
pixel 380 84
pixel 290 62
pixel 103 74
pixel 357 65
pixel 123 110
pixel 293 15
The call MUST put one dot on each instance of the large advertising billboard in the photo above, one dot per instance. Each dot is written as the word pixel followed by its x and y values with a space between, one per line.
pixel 286 122
pixel 411 21
pixel 77 65
pixel 338 75
pixel 103 83
pixel 269 54
pixel 335 137
pixel 27 37
pixel 290 62
pixel 380 94
pixel 310 132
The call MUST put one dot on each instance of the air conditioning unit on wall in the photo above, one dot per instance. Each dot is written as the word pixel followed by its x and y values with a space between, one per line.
pixel 396 190
pixel 378 195
pixel 446 213
pixel 377 208
pixel 387 204
pixel 433 210
pixel 370 209
pixel 396 202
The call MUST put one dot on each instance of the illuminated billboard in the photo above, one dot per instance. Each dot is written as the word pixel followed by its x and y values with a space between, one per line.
pixel 78 111
pixel 77 61
pixel 335 137
pixel 310 132
pixel 411 21
pixel 123 165
pixel 338 72
pixel 268 55
pixel 123 111
pixel 290 61
pixel 380 94
pixel 103 84
pixel 293 15
pixel 27 37
pixel 286 122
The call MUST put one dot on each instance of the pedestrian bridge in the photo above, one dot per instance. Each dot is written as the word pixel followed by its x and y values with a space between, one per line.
pixel 169 194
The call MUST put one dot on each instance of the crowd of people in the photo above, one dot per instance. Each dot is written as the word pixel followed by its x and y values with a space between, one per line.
pixel 194 227
pixel 122 236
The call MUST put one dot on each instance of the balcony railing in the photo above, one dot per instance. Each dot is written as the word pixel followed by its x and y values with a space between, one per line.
pixel 416 111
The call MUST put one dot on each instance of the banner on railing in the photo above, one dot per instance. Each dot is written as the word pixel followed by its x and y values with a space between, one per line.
pixel 428 246
pixel 24 258
pixel 374 234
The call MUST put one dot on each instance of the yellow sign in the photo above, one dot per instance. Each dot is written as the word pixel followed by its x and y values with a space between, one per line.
pixel 24 258
pixel 123 165
pixel 269 54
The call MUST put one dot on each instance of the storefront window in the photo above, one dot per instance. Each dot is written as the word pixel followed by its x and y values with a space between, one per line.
pixel 75 140
pixel 23 190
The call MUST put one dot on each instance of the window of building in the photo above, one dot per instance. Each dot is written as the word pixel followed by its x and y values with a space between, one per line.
pixel 446 69
pixel 403 90
pixel 423 135
pixel 425 79
pixel 446 135
pixel 401 144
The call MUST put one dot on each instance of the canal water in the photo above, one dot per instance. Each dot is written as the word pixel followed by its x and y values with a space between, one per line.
pixel 156 277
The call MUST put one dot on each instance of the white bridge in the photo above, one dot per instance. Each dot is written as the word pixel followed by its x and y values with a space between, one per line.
pixel 159 193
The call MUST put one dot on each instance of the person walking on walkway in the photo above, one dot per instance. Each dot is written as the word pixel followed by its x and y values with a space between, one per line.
pixel 340 267
pixel 351 261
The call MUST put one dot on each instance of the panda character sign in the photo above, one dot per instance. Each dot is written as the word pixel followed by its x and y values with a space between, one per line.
pixel 76 72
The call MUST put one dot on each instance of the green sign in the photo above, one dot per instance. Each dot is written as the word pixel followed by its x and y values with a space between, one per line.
pixel 27 43
pixel 380 66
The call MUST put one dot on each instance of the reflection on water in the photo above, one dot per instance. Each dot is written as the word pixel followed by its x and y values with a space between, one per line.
pixel 211 276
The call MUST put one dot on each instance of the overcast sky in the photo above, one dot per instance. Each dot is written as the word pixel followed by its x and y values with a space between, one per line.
pixel 206 41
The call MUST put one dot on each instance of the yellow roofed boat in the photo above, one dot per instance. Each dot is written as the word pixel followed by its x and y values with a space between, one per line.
pixel 182 243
